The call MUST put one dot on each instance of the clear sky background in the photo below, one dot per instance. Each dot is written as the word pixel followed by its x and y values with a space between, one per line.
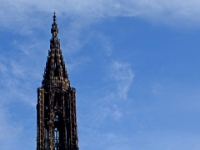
pixel 135 65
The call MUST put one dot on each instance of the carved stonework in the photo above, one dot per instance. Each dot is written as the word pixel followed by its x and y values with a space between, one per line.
pixel 56 107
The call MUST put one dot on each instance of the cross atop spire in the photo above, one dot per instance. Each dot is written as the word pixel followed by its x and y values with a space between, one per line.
pixel 54 29
pixel 54 17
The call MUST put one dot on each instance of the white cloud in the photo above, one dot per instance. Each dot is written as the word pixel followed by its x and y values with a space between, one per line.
pixel 108 107
pixel 18 76
pixel 32 13
pixel 123 75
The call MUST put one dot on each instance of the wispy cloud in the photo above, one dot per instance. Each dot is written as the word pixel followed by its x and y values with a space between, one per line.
pixel 106 109
pixel 123 75
pixel 21 72
pixel 18 72
pixel 24 12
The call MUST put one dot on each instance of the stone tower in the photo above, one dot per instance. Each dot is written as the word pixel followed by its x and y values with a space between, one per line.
pixel 56 106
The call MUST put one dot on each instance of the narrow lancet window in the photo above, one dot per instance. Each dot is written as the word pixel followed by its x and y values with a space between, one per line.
pixel 56 139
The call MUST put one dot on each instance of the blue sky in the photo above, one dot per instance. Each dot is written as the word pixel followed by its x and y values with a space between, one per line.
pixel 135 65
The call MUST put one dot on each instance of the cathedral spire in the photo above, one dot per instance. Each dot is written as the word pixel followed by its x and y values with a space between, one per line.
pixel 55 66
pixel 56 106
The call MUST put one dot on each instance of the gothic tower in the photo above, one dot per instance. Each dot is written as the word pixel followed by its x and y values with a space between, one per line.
pixel 56 106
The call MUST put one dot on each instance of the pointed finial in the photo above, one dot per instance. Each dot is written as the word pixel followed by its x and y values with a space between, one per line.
pixel 54 17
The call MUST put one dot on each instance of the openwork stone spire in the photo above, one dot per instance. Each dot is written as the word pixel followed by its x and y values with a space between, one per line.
pixel 55 70
pixel 56 108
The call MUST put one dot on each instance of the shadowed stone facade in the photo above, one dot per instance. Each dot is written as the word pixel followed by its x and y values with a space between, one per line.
pixel 56 106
